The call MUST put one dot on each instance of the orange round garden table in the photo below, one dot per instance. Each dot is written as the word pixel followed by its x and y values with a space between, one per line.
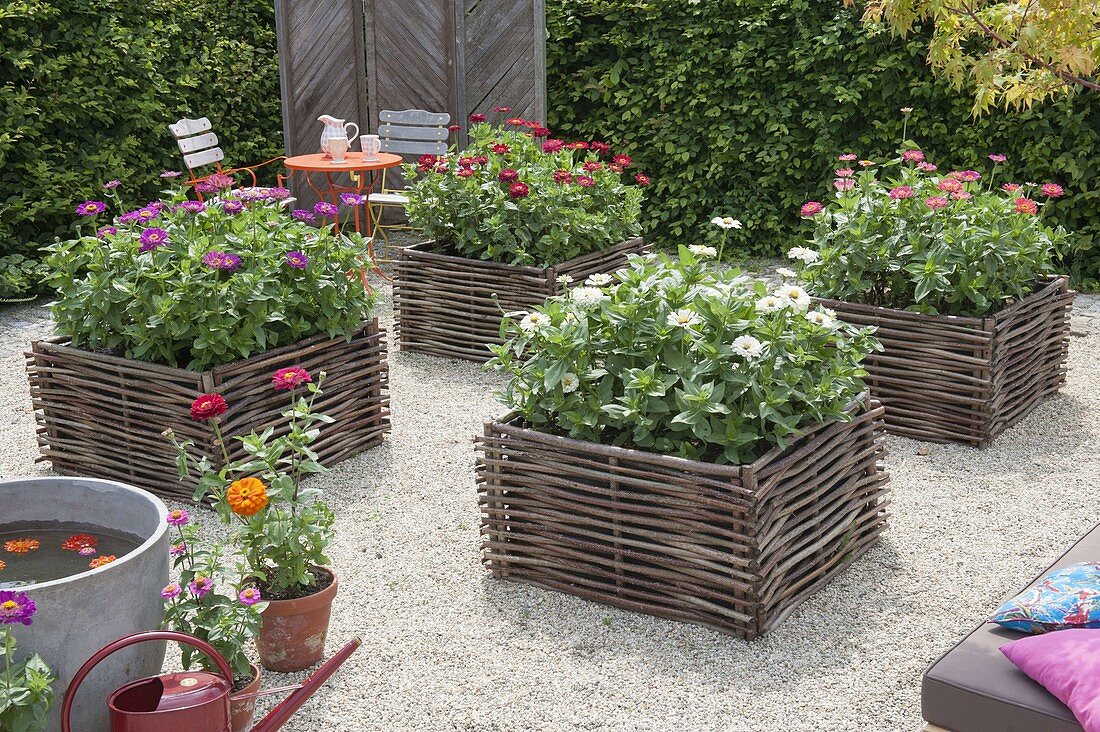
pixel 359 169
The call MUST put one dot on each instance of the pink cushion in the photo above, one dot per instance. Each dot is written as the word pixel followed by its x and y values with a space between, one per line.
pixel 1067 664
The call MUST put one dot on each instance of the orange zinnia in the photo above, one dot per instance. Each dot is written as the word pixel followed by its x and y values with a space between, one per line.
pixel 100 561
pixel 21 546
pixel 246 496
pixel 2 565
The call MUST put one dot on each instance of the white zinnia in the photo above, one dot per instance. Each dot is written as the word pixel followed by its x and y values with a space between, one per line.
pixel 682 318
pixel 570 382
pixel 702 250
pixel 817 317
pixel 809 256
pixel 794 295
pixel 564 279
pixel 726 222
pixel 770 304
pixel 786 272
pixel 747 346
pixel 534 322
pixel 598 280
pixel 588 296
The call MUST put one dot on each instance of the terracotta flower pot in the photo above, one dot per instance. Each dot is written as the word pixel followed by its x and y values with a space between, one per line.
pixel 293 634
pixel 242 711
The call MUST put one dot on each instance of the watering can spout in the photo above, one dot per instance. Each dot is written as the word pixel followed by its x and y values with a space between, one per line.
pixel 286 709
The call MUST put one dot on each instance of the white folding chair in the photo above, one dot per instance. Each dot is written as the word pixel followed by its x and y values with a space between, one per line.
pixel 200 148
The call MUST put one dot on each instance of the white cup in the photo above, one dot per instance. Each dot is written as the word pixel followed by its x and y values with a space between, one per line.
pixel 370 145
pixel 337 148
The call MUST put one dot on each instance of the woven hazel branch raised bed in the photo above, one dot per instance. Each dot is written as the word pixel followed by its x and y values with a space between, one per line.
pixel 102 416
pixel 444 304
pixel 952 379
pixel 735 548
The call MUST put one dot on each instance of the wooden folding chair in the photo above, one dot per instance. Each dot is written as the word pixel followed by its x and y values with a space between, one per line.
pixel 200 149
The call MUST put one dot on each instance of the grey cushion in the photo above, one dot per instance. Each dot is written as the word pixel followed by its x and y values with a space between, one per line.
pixel 974 688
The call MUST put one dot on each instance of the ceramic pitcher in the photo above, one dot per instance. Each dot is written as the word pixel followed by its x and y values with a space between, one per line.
pixel 335 129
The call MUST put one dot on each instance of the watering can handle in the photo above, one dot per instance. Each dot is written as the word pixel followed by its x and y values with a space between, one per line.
pixel 118 645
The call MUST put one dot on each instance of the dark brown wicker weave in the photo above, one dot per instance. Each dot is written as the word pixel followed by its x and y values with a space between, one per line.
pixel 735 548
pixel 954 379
pixel 102 416
pixel 444 304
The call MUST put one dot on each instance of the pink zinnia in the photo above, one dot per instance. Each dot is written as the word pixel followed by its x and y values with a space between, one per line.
pixel 811 208
pixel 178 550
pixel 961 196
pixel 844 172
pixel 901 192
pixel 201 586
pixel 518 190
pixel 935 202
pixel 970 176
pixel 1052 190
pixel 1010 187
pixel 1026 206
pixel 847 157
pixel 171 591
pixel 178 517
pixel 844 184
pixel 926 167
pixel 249 596
pixel 290 378
pixel 642 179
pixel 912 156
pixel 997 158
pixel 950 185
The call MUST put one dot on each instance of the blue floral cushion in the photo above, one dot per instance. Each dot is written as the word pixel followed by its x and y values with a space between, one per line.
pixel 1065 598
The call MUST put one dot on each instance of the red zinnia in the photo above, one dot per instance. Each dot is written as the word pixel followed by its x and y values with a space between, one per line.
pixel 552 146
pixel 502 109
pixel 577 146
pixel 623 160
pixel 507 175
pixel 591 166
pixel 208 406
pixel 540 132
pixel 476 118
pixel 518 190
pixel 500 148
pixel 454 128
pixel 584 181
pixel 642 179
pixel 79 541
pixel 615 166
pixel 517 121
pixel 289 378
pixel 1026 206
pixel 600 147
pixel 465 173
pixel 562 176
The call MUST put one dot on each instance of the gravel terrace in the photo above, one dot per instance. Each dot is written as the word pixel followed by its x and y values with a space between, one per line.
pixel 447 648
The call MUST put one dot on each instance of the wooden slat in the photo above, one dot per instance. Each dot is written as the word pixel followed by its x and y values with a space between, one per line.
pixel 405 132
pixel 414 117
pixel 407 147
pixel 199 142
pixel 205 157
pixel 186 127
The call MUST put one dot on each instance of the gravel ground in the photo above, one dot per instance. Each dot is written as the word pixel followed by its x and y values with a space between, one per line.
pixel 446 648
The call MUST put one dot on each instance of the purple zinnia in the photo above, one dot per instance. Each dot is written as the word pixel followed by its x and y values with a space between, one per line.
pixel 302 215
pixel 221 260
pixel 128 217
pixel 171 591
pixel 86 551
pixel 178 550
pixel 112 184
pixel 200 586
pixel 170 174
pixel 194 206
pixel 16 607
pixel 91 208
pixel 249 596
pixel 233 207
pixel 153 238
pixel 324 208
pixel 147 214
pixel 178 517
pixel 297 260
pixel 352 199
pixel 106 231
pixel 279 193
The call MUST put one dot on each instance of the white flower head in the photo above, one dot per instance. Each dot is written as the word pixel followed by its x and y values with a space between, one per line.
pixel 569 383
pixel 795 296
pixel 747 347
pixel 786 272
pixel 770 304
pixel 598 280
pixel 702 251
pixel 809 256
pixel 726 222
pixel 534 322
pixel 564 279
pixel 818 317
pixel 588 297
pixel 683 318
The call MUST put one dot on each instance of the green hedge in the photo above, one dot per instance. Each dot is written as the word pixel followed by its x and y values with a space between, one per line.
pixel 739 107
pixel 88 87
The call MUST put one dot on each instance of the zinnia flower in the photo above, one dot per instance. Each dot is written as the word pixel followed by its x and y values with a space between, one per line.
pixel 866 163
pixel 2 565
pixel 302 215
pixel 297 260
pixel 844 184
pixel 16 607
pixel 233 207
pixel 599 279
pixel 950 185
pixel 970 176
pixel 178 550
pixel 683 318
pixel 747 346
pixel 501 149
pixel 249 596
pixel 844 172
pixel 352 199
pixel 324 208
pixel 518 190
pixel 290 378
pixel 279 193
pixel 623 160
pixel 170 174
pixel 201 586
pixel 193 206
pixel 178 517
pixel 794 295
pixel 912 156
pixel 601 148
pixel 246 496
pixel 592 166
pixel 587 297
pixel 1052 190
pixel 935 202
pixel 78 541
pixel 507 175
pixel 102 561
pixel 516 121
pixel 106 231
pixel 847 157
pixel 153 238
pixel 811 208
pixel 785 272
pixel 642 179
pixel 477 118
pixel 1010 187
pixel 569 383
pixel 901 192
pixel 926 167
pixel 466 173
pixel 533 322
pixel 961 196
pixel 818 317
pixel 770 304
pixel 453 128
pixel 21 545
pixel 540 131
pixel 997 158
pixel 91 208
pixel 171 591
pixel 112 184
pixel 1026 206
pixel 208 406
pixel 809 256
pixel 221 260
pixel 702 251
pixel 552 146
pixel 726 222
pixel 502 110
pixel 87 551
pixel 584 181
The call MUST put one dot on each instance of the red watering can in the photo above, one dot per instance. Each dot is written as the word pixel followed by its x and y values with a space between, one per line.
pixel 190 701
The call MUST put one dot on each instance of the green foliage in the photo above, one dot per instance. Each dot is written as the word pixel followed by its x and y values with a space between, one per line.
pixel 20 276
pixel 26 689
pixel 671 356
pixel 88 88
pixel 170 306
pixel 511 198
pixel 736 106
pixel 942 244
pixel 216 615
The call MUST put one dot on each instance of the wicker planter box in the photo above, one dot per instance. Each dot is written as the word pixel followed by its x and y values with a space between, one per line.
pixel 102 416
pixel 735 548
pixel 444 304
pixel 953 379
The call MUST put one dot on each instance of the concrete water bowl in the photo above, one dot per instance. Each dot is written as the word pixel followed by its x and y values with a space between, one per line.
pixel 79 614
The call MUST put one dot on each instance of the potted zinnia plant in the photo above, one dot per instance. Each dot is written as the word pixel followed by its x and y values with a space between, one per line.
pixel 957 274
pixel 506 220
pixel 281 527
pixel 182 297
pixel 683 442
pixel 212 599
pixel 26 686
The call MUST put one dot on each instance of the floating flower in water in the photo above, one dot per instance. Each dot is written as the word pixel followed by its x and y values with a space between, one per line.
pixel 87 551
pixel 208 406
pixel 21 545
pixel 2 565
pixel 152 239
pixel 178 550
pixel 747 346
pixel 201 586
pixel 297 260
pixel 682 318
pixel 249 596
pixel 178 517
pixel 1052 190
pixel 811 208
pixel 324 208
pixel 91 208
pixel 79 541
pixel 247 496
pixel 16 607
pixel 170 174
pixel 221 260
pixel 171 591
pixel 290 378
pixel 102 561
pixel 1026 206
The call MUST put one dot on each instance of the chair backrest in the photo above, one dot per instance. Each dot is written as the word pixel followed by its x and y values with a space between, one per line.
pixel 414 132
pixel 197 143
